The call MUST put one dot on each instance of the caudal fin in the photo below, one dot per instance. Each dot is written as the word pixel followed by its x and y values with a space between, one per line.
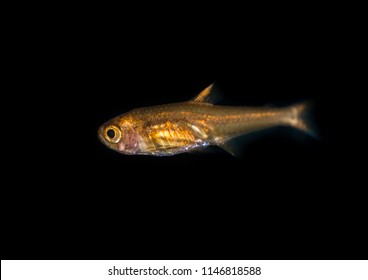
pixel 301 118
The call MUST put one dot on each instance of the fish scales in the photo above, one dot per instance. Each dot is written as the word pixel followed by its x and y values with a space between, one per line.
pixel 215 121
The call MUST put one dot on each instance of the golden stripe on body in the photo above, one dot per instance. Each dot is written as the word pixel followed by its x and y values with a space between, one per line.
pixel 187 131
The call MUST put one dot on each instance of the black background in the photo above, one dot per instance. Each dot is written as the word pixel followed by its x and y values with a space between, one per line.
pixel 288 197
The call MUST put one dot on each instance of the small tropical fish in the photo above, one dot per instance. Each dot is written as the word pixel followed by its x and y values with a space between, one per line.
pixel 171 129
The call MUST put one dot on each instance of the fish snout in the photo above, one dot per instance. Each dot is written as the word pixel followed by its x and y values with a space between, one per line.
pixel 100 134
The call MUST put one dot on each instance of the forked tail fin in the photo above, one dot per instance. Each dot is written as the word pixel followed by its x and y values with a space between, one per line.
pixel 301 118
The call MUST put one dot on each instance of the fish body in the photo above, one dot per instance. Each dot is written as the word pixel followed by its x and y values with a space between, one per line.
pixel 181 127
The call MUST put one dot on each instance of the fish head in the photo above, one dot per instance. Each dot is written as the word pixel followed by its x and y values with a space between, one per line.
pixel 119 135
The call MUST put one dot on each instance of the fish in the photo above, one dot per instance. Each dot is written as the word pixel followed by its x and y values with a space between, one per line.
pixel 170 129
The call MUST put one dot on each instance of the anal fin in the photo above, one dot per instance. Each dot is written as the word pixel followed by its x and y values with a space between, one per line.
pixel 232 148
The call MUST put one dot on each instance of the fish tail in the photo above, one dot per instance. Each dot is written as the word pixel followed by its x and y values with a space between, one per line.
pixel 301 118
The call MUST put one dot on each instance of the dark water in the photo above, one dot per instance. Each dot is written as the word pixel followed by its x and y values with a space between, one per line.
pixel 289 196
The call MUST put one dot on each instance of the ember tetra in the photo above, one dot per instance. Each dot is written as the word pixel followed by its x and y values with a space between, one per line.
pixel 181 127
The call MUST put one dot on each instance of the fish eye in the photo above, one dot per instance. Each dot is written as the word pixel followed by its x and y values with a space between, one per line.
pixel 112 134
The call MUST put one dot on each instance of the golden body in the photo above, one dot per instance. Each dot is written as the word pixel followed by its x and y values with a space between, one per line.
pixel 176 128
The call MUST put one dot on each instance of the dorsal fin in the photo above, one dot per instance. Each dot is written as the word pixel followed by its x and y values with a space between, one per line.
pixel 204 95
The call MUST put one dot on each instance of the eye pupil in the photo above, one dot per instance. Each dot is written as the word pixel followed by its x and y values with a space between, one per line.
pixel 111 133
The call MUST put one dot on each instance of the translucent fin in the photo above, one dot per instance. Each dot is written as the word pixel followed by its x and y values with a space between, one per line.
pixel 302 118
pixel 205 95
pixel 232 148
